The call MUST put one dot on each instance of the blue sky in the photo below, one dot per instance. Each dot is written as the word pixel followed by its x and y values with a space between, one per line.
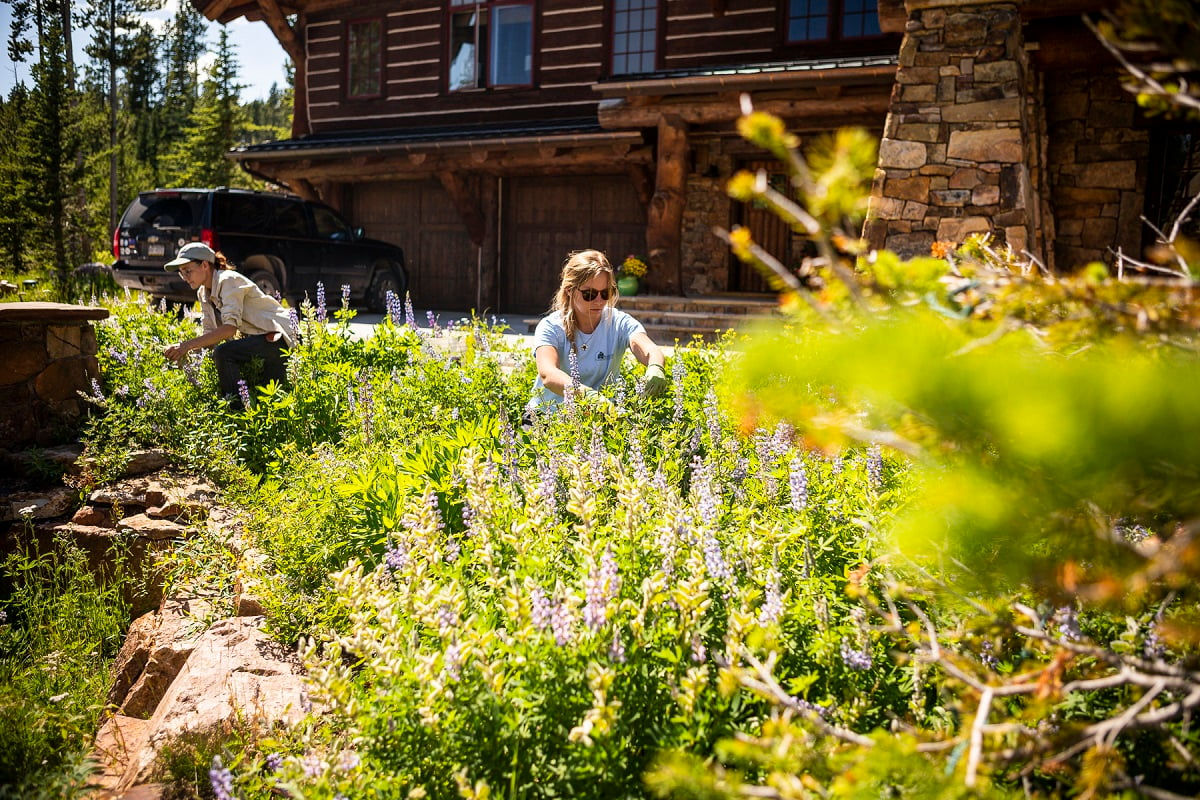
pixel 260 58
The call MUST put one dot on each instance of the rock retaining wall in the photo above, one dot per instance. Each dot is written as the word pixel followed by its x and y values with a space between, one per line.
pixel 47 356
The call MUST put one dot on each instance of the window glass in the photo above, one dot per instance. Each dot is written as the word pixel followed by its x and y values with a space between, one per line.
pixel 860 18
pixel 364 63
pixel 166 211
pixel 635 36
pixel 330 225
pixel 512 46
pixel 290 220
pixel 491 44
pixel 808 20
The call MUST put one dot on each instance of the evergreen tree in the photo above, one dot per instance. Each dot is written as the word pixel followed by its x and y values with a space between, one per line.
pixel 216 124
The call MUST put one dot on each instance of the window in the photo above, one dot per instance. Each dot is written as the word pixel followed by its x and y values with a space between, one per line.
pixel 635 36
pixel 491 44
pixel 364 63
pixel 824 20
pixel 330 225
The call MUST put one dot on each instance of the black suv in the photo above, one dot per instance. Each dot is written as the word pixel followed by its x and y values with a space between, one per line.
pixel 283 243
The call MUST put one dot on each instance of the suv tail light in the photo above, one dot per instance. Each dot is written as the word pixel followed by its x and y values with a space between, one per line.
pixel 209 237
pixel 117 243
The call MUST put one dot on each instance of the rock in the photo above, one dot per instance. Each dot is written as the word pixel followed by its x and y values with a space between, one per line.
pixel 47 504
pixel 154 652
pixel 117 741
pixel 144 461
pixel 235 674
pixel 152 528
pixel 91 515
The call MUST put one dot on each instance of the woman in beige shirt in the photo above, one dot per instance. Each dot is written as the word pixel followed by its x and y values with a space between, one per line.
pixel 239 321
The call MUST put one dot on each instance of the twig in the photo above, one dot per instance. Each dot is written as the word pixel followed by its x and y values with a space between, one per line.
pixel 981 715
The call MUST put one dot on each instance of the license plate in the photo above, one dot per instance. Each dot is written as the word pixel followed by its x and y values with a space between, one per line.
pixel 156 250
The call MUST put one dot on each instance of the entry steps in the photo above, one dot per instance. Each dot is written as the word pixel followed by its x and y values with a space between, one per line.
pixel 672 319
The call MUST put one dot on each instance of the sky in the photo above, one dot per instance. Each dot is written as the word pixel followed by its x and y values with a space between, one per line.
pixel 259 56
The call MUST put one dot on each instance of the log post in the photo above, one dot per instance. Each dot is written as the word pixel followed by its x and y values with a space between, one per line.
pixel 466 204
pixel 664 218
pixel 286 35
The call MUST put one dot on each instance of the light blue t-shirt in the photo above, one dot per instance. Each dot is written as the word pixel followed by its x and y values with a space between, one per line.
pixel 599 352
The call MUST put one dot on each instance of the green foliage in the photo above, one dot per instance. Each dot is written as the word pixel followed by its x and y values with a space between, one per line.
pixel 62 628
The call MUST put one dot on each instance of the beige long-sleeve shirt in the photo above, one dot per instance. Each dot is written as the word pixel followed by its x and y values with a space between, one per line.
pixel 236 300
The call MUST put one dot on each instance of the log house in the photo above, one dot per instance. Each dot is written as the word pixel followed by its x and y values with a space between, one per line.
pixel 491 137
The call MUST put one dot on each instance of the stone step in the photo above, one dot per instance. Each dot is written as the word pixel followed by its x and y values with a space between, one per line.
pixel 744 304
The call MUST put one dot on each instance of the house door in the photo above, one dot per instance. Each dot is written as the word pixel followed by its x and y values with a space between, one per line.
pixel 419 216
pixel 546 218
pixel 769 232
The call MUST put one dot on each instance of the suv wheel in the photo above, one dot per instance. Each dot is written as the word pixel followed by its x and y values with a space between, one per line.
pixel 265 281
pixel 385 281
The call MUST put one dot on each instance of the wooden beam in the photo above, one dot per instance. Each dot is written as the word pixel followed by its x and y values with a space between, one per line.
pixel 643 183
pixel 664 217
pixel 717 112
pixel 286 36
pixel 465 201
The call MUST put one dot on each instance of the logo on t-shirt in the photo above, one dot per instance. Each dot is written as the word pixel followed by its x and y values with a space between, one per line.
pixel 600 356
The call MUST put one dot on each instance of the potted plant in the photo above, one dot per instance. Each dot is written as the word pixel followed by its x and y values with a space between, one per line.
pixel 629 275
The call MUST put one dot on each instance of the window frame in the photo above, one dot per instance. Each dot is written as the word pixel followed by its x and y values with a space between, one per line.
pixel 659 20
pixel 485 33
pixel 835 19
pixel 350 59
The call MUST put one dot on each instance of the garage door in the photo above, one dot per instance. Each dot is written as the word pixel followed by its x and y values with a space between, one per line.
pixel 547 218
pixel 420 217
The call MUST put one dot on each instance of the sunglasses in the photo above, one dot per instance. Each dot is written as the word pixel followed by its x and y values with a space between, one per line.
pixel 590 294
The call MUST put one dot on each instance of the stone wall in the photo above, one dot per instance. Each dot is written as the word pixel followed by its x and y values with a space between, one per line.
pixel 955 154
pixel 47 356
pixel 1096 163
pixel 705 258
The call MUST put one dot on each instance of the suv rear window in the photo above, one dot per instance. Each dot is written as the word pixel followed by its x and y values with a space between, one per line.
pixel 242 214
pixel 165 211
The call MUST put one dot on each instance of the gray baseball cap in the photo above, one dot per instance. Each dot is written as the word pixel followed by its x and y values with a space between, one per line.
pixel 192 251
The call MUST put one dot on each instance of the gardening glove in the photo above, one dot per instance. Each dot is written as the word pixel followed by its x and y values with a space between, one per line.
pixel 656 381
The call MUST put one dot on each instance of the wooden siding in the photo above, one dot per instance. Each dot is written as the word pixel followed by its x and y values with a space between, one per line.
pixel 547 218
pixel 746 33
pixel 419 216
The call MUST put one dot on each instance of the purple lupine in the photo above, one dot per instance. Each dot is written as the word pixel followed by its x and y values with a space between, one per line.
pixel 221 779
pixel 431 318
pixel 119 356
pixel 677 373
pixel 762 448
pixel 508 439
pixel 322 312
pixel 540 609
pixel 409 320
pixel 244 393
pixel 367 398
pixel 616 649
pixel 699 651
pixel 772 608
pixel 452 661
pixel 707 501
pixel 274 762
pixel 396 558
pixel 798 484
pixel 447 618
pixel 1153 646
pixel 395 308
pixel 987 655
pixel 638 459
pixel 562 624
pixel 345 295
pixel 294 322
pixel 1068 624
pixel 714 559
pixel 712 413
pixel 601 587
pixel 858 660
pixel 875 466
pixel 97 392
pixel 836 465
pixel 548 485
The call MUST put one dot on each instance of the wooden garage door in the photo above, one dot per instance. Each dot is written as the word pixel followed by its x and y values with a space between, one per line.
pixel 769 231
pixel 419 216
pixel 547 218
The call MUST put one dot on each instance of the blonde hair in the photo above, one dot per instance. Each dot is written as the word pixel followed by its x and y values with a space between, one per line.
pixel 580 268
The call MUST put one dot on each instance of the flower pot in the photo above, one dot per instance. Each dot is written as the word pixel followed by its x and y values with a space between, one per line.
pixel 627 285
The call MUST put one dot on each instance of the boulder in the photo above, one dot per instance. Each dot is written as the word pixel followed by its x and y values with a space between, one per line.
pixel 117 741
pixel 235 675
pixel 46 504
pixel 154 652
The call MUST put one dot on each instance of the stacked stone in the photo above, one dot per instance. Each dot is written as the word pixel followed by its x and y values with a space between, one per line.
pixel 47 357
pixel 955 152
pixel 1096 165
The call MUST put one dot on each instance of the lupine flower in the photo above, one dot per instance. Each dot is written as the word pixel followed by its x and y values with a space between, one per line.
pixel 396 558
pixel 1153 646
pixel 798 484
pixel 345 295
pixel 447 618
pixel 987 655
pixel 244 393
pixel 712 413
pixel 601 587
pixel 540 608
pixel 836 463
pixel 1068 624
pixel 707 501
pixel 762 447
pixel 313 766
pixel 699 651
pixel 294 322
pixel 348 761
pixel 856 659
pixel 875 466
pixel 322 312
pixel 97 392
pixel 452 661
pixel 409 320
pixel 772 608
pixel 562 624
pixel 431 318
pixel 221 779
pixel 274 762
pixel 714 559
pixel 616 650
pixel 548 485
pixel 395 308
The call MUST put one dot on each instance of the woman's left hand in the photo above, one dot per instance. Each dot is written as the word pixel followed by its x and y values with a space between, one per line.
pixel 656 381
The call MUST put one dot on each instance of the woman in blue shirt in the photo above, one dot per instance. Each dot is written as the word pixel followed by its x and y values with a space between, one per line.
pixel 584 321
